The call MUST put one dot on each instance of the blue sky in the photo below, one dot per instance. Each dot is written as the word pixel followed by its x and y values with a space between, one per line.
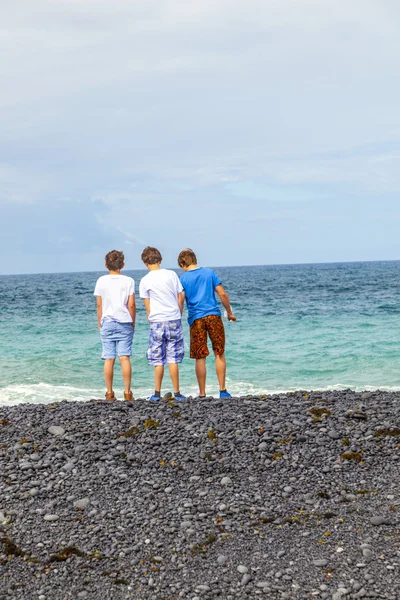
pixel 256 132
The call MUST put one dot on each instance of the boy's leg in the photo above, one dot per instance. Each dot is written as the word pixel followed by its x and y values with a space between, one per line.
pixel 199 351
pixel 174 374
pixel 201 373
pixel 109 373
pixel 175 350
pixel 158 377
pixel 109 352
pixel 126 369
pixel 124 335
pixel 216 331
pixel 220 368
pixel 156 354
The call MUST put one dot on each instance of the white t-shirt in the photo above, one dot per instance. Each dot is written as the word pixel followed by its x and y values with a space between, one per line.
pixel 162 286
pixel 115 291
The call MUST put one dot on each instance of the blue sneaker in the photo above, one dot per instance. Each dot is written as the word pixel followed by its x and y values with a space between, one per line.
pixel 224 394
pixel 179 397
pixel 153 398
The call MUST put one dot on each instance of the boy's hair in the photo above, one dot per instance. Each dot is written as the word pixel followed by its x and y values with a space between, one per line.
pixel 151 256
pixel 186 258
pixel 115 260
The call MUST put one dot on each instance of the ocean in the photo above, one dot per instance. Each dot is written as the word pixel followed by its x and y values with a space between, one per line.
pixel 309 327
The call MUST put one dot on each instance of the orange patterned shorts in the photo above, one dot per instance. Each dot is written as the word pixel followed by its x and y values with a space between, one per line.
pixel 214 327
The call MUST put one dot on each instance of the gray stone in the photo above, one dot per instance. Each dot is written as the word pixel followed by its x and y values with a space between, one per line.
pixel 82 503
pixel 320 562
pixel 380 520
pixel 226 481
pixel 56 430
pixel 242 569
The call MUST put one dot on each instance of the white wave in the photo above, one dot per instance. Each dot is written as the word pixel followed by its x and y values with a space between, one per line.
pixel 44 393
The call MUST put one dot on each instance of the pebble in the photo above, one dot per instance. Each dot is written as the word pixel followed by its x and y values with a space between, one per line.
pixel 242 569
pixel 380 520
pixel 56 430
pixel 320 562
pixel 226 481
pixel 82 503
pixel 51 517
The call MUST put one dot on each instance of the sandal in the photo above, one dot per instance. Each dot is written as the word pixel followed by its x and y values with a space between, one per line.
pixel 110 396
pixel 128 396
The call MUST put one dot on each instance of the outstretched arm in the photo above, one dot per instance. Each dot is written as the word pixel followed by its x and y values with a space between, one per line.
pixel 99 310
pixel 225 301
pixel 132 309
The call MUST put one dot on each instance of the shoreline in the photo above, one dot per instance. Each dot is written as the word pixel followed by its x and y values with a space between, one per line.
pixel 274 496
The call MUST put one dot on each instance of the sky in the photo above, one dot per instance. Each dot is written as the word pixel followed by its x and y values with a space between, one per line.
pixel 253 131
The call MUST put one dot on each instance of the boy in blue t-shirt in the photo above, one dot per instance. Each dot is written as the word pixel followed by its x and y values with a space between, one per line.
pixel 199 285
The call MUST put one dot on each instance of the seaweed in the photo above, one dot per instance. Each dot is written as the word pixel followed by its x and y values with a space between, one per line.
pixel 11 548
pixel 345 442
pixel 202 547
pixel 351 456
pixel 132 432
pixel 393 432
pixel 319 412
pixel 211 434
pixel 151 424
pixel 66 553
pixel 4 422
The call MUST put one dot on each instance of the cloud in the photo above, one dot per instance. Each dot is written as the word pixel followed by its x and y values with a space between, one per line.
pixel 167 121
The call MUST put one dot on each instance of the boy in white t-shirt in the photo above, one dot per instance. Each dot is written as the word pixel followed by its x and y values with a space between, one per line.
pixel 163 298
pixel 116 314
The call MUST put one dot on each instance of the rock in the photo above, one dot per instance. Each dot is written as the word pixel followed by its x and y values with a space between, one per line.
pixel 226 481
pixel 320 562
pixel 82 503
pixel 380 520
pixel 50 517
pixel 242 569
pixel 56 430
pixel 222 560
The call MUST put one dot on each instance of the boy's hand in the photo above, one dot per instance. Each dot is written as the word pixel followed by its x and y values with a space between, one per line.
pixel 231 317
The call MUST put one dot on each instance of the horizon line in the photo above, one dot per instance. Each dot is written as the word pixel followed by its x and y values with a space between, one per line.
pixel 333 262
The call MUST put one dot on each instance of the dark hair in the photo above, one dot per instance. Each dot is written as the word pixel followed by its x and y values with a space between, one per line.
pixel 115 260
pixel 186 258
pixel 151 256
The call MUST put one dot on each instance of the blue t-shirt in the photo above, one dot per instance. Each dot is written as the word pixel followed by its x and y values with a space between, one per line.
pixel 199 287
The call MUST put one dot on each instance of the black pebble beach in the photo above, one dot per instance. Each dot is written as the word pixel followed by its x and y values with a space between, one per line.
pixel 290 496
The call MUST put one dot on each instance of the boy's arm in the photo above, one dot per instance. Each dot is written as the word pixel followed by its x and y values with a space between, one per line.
pixel 132 309
pixel 181 301
pixel 99 305
pixel 225 301
pixel 146 302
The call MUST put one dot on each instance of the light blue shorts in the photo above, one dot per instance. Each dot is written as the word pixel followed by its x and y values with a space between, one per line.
pixel 166 344
pixel 116 339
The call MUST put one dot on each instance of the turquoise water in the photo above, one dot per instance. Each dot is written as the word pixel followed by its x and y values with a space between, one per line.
pixel 299 327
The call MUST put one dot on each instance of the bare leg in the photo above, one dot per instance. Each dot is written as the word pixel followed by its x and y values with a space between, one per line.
pixel 201 375
pixel 174 374
pixel 220 368
pixel 109 373
pixel 158 377
pixel 126 369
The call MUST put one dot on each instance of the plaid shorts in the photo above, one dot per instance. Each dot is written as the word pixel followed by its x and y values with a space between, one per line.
pixel 166 344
